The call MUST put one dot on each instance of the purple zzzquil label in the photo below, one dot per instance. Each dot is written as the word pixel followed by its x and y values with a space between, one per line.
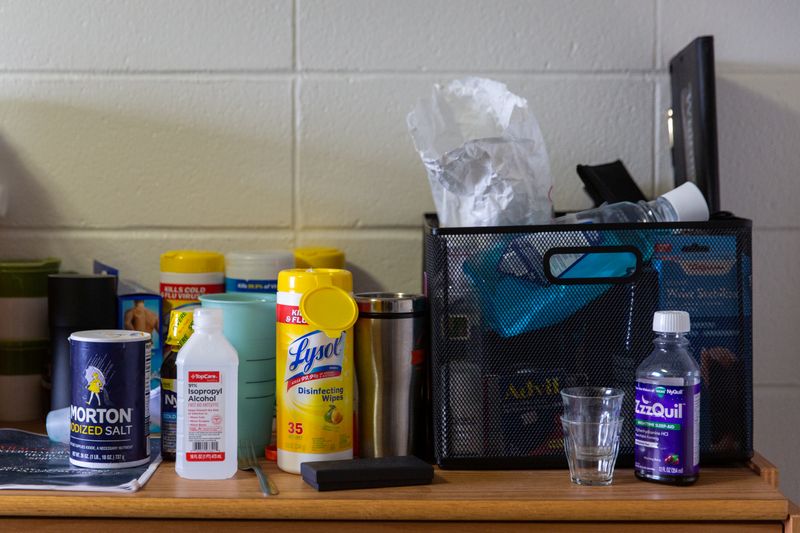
pixel 666 429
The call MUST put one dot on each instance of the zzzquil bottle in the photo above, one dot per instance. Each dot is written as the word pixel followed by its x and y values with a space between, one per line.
pixel 667 413
pixel 314 366
pixel 207 390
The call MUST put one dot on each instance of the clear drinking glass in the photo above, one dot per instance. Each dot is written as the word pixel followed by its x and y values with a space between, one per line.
pixel 591 404
pixel 591 449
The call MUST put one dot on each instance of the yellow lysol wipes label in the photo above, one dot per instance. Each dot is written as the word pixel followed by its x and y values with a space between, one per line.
pixel 314 380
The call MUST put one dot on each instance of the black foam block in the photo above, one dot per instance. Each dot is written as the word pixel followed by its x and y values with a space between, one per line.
pixel 367 473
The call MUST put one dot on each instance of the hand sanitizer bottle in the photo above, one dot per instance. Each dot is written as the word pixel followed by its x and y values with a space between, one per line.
pixel 207 391
pixel 667 414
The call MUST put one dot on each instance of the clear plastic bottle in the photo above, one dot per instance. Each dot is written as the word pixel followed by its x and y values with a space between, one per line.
pixel 208 368
pixel 667 413
pixel 682 204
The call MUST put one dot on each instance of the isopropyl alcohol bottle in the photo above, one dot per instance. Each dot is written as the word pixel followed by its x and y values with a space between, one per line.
pixel 667 413
pixel 208 368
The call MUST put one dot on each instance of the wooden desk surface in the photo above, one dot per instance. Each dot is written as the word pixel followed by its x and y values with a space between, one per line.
pixel 744 493
pixel 720 494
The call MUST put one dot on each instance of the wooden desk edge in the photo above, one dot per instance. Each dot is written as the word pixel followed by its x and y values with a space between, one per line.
pixel 400 509
pixel 792 523
pixel 765 469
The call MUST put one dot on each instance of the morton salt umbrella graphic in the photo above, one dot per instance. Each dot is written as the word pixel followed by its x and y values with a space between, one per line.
pixel 96 381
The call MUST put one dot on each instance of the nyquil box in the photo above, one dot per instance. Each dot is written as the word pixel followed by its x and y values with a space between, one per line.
pixel 109 408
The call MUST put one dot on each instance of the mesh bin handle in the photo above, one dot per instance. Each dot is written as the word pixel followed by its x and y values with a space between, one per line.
pixel 584 261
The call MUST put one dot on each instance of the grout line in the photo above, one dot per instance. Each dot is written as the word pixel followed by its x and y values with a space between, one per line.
pixel 295 143
pixel 657 41
pixel 364 230
pixel 295 38
pixel 288 74
pixel 8 231
pixel 159 232
pixel 138 231
pixel 656 138
pixel 776 385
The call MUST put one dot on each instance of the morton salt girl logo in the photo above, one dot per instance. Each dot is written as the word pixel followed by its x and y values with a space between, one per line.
pixel 96 382
pixel 99 416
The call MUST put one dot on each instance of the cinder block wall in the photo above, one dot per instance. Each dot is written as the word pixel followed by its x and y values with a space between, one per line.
pixel 128 128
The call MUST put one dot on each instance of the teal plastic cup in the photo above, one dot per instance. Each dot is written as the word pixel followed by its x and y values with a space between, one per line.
pixel 248 322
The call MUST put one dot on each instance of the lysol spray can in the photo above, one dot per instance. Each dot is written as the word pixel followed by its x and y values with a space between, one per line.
pixel 110 404
pixel 314 366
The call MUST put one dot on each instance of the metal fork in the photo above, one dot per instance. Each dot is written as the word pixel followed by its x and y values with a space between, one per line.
pixel 248 461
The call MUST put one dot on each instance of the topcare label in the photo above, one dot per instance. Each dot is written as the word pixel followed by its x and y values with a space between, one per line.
pixel 109 411
pixel 667 429
pixel 314 380
pixel 205 413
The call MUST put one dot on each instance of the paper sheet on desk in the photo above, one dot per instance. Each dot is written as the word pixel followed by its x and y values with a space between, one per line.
pixel 32 461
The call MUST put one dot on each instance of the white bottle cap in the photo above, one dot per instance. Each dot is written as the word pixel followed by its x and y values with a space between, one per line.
pixel 207 318
pixel 671 322
pixel 688 202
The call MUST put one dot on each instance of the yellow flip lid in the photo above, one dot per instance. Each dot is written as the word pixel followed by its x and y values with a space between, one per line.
pixel 192 261
pixel 330 309
pixel 326 302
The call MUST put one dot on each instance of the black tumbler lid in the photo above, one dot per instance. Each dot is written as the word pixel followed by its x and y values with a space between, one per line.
pixel 84 301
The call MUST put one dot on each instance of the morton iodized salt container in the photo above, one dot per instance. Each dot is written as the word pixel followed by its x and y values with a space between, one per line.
pixel 109 412
pixel 314 366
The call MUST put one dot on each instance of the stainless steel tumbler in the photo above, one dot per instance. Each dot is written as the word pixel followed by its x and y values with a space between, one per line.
pixel 390 355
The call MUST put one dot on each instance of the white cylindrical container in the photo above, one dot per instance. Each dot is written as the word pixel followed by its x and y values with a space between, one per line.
pixel 255 271
pixel 207 386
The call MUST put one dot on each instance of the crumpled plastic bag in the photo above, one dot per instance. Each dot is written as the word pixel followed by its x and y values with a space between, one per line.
pixel 484 154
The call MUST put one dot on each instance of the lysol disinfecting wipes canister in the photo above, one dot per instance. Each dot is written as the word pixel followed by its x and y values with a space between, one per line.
pixel 314 366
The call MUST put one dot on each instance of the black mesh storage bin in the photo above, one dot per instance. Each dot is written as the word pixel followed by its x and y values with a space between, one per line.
pixel 513 321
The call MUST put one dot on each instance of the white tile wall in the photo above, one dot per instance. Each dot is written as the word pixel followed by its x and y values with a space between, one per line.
pixel 749 35
pixel 135 252
pixel 145 35
pixel 131 127
pixel 100 152
pixel 777 432
pixel 475 35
